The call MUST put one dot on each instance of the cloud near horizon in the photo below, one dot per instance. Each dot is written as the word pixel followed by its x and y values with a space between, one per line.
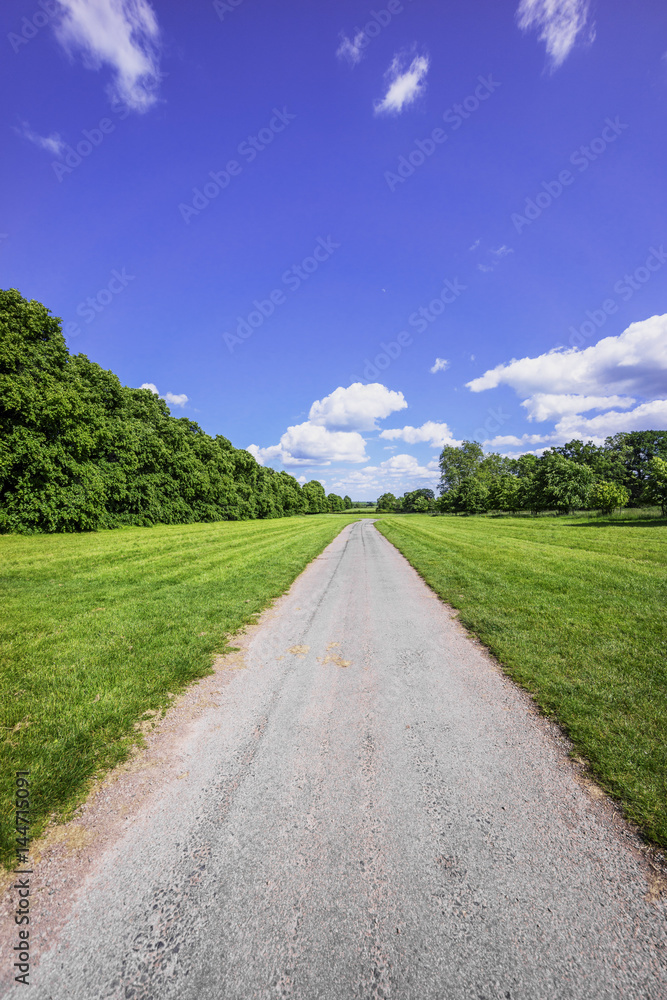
pixel 122 34
pixel 332 434
pixel 624 377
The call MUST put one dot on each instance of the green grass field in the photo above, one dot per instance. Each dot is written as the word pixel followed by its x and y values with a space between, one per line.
pixel 99 628
pixel 575 610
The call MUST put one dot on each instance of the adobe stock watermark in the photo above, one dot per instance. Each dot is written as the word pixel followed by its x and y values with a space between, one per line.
pixel 624 288
pixel 73 157
pixel 580 158
pixel 30 26
pixel 221 179
pixel 292 279
pixel 419 320
pixel 91 307
pixel 454 117
pixel 496 418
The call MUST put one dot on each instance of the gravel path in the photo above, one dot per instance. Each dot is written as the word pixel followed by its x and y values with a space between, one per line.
pixel 372 810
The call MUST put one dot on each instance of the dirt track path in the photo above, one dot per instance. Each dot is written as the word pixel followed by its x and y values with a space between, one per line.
pixel 371 810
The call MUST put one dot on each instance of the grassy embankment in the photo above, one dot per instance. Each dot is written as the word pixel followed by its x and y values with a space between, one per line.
pixel 97 629
pixel 576 612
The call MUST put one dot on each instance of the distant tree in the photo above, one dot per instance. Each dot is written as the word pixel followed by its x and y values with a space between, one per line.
pixel 457 464
pixel 316 497
pixel 634 451
pixel 606 497
pixel 560 484
pixel 655 490
pixel 336 503
pixel 347 502
pixel 471 497
pixel 505 493
pixel 493 465
pixel 386 504
pixel 418 501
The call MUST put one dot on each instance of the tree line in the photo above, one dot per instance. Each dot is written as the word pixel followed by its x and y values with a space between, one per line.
pixel 79 451
pixel 629 469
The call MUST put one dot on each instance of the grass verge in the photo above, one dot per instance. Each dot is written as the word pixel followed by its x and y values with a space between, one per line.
pixel 100 628
pixel 574 609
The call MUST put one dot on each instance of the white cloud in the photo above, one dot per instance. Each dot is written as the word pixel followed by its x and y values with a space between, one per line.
pixel 475 245
pixel 172 399
pixel 558 21
pixel 646 416
pixel 175 399
pixel 122 34
pixel 404 87
pixel 550 406
pixel 437 435
pixel 440 365
pixel 358 407
pixel 635 362
pixel 506 440
pixel 351 50
pixel 502 251
pixel 53 143
pixel 407 465
pixel 312 444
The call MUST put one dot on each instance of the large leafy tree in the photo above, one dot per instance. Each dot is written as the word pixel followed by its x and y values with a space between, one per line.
pixel 656 483
pixel 560 484
pixel 459 463
pixel 386 503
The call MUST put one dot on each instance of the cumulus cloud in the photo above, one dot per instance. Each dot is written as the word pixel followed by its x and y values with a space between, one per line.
pixel 635 363
pixel 646 416
pixel 407 466
pixel 122 34
pixel 351 50
pixel 53 143
pixel 312 444
pixel 440 365
pixel 404 87
pixel 358 407
pixel 559 22
pixel 550 406
pixel 437 435
pixel 172 399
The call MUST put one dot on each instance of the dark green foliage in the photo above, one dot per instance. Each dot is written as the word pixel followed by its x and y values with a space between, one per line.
pixel 386 503
pixel 576 475
pixel 336 503
pixel 79 451
pixel 315 497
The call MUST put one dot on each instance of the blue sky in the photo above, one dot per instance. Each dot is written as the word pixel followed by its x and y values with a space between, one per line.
pixel 345 234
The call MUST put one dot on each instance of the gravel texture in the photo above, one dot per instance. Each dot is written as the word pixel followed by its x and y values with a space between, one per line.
pixel 370 809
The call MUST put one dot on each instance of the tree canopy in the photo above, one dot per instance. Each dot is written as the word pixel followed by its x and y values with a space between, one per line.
pixel 80 451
